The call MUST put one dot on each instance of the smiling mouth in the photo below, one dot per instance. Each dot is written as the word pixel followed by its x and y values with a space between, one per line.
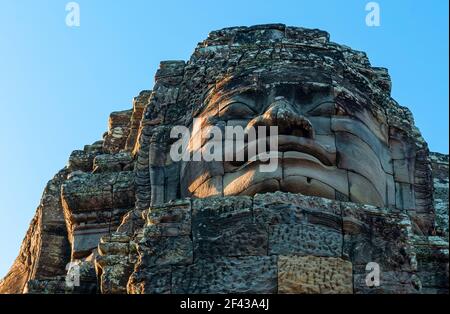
pixel 292 147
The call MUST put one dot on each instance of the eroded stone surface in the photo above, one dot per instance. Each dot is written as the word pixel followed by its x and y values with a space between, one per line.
pixel 304 239
pixel 314 275
pixel 118 207
pixel 252 274
pixel 439 163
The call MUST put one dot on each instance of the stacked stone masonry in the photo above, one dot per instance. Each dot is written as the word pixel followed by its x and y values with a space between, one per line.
pixel 355 183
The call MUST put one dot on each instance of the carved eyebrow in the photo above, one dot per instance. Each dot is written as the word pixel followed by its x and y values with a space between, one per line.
pixel 231 103
pixel 320 104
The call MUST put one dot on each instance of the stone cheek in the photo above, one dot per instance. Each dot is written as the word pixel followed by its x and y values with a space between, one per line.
pixel 314 275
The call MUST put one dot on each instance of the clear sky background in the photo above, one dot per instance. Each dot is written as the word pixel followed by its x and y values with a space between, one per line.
pixel 59 84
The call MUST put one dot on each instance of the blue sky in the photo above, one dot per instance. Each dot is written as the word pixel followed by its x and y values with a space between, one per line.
pixel 59 84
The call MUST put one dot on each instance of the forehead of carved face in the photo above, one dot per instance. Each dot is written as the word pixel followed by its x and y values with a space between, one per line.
pixel 331 143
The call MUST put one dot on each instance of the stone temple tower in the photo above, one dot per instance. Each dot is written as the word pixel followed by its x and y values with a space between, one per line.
pixel 355 188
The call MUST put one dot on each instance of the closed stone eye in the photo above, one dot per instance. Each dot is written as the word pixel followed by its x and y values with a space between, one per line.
pixel 323 109
pixel 236 110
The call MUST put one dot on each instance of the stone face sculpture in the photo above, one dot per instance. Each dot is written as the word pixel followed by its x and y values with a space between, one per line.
pixel 330 145
pixel 353 142
pixel 353 183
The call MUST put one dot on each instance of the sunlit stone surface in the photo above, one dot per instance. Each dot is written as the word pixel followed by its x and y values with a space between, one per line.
pixel 354 184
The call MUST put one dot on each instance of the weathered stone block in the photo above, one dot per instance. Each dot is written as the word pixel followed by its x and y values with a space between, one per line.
pixel 113 162
pixel 150 281
pixel 123 190
pixel 114 278
pixel 351 148
pixel 303 239
pixel 250 274
pixel 81 160
pixel 220 206
pixel 432 263
pixel 84 241
pixel 113 248
pixel 287 208
pixel 173 219
pixel 362 132
pixel 404 196
pixel 375 235
pixel 170 68
pixel 225 227
pixel 99 191
pixel 314 275
pixel 391 282
pixel 229 237
pixel 165 251
pixel 403 171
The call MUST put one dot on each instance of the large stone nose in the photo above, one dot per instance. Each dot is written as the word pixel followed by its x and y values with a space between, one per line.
pixel 281 113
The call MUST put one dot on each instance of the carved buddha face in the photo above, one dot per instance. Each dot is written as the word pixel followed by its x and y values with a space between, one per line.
pixel 330 144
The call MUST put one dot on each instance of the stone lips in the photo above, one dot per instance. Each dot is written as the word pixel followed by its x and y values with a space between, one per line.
pixel 118 208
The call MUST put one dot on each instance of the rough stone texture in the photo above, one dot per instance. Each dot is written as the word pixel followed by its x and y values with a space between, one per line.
pixel 226 228
pixel 45 250
pixel 314 275
pixel 304 240
pixel 322 246
pixel 84 201
pixel 115 262
pixel 355 183
pixel 94 205
pixel 326 99
pixel 251 274
pixel 432 264
pixel 439 164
